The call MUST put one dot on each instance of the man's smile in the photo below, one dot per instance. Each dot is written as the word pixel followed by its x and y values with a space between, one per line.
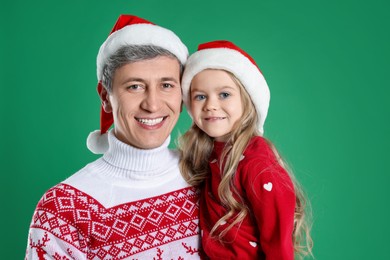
pixel 151 121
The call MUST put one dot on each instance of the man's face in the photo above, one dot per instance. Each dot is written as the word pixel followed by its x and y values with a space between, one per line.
pixel 145 101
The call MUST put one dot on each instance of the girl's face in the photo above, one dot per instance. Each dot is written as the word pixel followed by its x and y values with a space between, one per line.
pixel 216 103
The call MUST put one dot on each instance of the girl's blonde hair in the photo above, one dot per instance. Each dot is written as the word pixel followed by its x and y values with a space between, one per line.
pixel 195 148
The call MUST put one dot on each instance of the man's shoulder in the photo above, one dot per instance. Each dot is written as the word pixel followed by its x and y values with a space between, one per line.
pixel 83 175
pixel 66 188
pixel 61 193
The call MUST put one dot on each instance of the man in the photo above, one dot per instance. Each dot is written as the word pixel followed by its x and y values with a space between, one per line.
pixel 132 203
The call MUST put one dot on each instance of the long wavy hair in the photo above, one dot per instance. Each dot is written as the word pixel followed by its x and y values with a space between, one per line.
pixel 195 148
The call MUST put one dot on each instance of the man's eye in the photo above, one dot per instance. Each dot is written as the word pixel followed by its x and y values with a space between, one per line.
pixel 224 95
pixel 134 87
pixel 167 85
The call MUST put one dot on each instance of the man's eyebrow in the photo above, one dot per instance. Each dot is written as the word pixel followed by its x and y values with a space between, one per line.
pixel 169 79
pixel 133 79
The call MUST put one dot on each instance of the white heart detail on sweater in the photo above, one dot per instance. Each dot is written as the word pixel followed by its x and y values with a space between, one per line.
pixel 254 244
pixel 268 186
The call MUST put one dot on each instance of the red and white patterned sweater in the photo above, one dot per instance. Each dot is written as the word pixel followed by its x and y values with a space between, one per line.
pixel 267 190
pixel 128 204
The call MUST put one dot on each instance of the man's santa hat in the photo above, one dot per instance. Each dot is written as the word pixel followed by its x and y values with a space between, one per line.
pixel 129 30
pixel 225 55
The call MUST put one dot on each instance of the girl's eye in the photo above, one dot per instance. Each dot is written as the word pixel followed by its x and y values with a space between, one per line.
pixel 224 95
pixel 199 97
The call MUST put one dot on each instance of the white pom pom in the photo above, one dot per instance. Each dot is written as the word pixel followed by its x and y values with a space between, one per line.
pixel 97 143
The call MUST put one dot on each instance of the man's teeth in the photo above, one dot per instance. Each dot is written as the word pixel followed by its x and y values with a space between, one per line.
pixel 150 121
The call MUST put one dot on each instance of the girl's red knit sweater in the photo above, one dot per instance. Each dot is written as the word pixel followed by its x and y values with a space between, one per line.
pixel 266 188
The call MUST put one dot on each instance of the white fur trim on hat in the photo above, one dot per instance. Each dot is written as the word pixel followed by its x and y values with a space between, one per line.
pixel 236 63
pixel 97 142
pixel 140 34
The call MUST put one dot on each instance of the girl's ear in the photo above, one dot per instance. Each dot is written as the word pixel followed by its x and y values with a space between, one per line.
pixel 104 97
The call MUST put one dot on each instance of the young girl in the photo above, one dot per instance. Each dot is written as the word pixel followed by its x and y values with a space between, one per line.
pixel 251 207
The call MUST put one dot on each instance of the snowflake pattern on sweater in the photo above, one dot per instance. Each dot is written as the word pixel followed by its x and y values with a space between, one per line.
pixel 128 204
pixel 118 232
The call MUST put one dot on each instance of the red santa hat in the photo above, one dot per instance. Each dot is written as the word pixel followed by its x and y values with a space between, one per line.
pixel 129 30
pixel 227 56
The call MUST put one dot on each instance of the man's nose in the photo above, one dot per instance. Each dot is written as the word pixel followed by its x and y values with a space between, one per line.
pixel 151 101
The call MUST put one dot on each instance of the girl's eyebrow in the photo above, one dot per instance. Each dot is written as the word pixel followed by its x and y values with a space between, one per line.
pixel 228 87
pixel 217 88
pixel 194 90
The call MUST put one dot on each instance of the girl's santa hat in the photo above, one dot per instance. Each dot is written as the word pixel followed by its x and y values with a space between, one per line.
pixel 129 30
pixel 224 55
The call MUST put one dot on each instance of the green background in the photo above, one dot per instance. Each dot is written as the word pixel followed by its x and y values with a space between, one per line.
pixel 326 62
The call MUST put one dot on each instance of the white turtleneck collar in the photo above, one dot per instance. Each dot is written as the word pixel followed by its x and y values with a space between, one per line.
pixel 126 173
pixel 140 164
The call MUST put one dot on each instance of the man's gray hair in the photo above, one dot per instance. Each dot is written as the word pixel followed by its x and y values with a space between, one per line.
pixel 129 54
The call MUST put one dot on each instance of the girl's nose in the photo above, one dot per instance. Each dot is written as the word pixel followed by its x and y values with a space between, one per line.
pixel 211 104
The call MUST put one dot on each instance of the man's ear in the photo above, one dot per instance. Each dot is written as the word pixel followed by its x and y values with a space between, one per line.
pixel 104 97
